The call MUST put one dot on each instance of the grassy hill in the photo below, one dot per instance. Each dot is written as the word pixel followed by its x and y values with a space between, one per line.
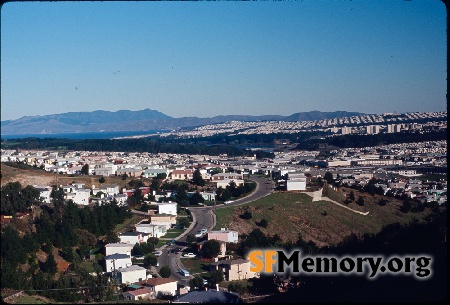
pixel 322 222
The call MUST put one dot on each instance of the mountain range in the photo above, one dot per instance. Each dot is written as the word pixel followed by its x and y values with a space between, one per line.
pixel 141 120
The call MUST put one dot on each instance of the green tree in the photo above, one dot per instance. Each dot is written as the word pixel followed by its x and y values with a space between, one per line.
pixel 165 272
pixel 197 178
pixel 360 201
pixel 328 177
pixel 351 196
pixel 196 198
pixel 112 237
pixel 102 180
pixel 196 282
pixel 211 249
pixel 150 260
pixel 190 238
pixel 216 277
pixel 183 221
pixel 85 169
pixel 263 223
pixel 50 264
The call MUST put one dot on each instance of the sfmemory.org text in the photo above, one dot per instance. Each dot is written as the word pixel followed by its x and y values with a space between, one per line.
pixel 278 261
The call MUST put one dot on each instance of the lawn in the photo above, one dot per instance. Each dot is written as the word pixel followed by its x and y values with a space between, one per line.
pixel 195 265
pixel 323 222
pixel 27 299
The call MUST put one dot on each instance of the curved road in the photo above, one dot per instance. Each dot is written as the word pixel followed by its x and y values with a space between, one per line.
pixel 204 217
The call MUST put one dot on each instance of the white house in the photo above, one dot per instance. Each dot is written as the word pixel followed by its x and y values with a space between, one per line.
pixel 118 248
pixel 160 286
pixel 226 182
pixel 121 199
pixel 117 261
pixel 132 274
pixel 44 193
pixel 133 237
pixel 167 208
pixel 228 236
pixel 108 189
pixel 296 184
pixel 153 229
pixel 80 196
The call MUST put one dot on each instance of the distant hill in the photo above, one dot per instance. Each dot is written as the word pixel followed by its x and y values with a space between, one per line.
pixel 141 120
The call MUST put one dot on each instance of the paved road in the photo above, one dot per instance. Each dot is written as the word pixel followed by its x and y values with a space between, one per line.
pixel 204 217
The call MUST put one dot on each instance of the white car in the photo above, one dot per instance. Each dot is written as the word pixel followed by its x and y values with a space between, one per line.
pixel 198 234
pixel 228 202
pixel 157 253
pixel 204 230
pixel 189 255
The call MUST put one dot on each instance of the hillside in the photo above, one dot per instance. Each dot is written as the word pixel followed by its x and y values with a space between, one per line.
pixel 291 214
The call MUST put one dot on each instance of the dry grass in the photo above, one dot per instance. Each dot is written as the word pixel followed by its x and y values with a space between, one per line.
pixel 291 214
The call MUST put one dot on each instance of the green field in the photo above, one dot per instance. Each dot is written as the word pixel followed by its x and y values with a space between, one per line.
pixel 323 222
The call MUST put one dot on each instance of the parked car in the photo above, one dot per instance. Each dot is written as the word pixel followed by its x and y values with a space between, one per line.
pixel 198 234
pixel 227 202
pixel 157 253
pixel 190 254
pixel 204 230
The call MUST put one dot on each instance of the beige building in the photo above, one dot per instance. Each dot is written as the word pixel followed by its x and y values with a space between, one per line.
pixel 236 269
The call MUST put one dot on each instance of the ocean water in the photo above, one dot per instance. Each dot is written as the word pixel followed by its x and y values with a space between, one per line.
pixel 83 135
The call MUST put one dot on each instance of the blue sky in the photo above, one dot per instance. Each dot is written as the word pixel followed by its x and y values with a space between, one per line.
pixel 214 58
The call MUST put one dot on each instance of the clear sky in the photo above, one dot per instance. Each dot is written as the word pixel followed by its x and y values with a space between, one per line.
pixel 214 58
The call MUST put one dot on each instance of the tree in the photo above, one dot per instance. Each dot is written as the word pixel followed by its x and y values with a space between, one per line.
pixel 150 260
pixel 246 215
pixel 165 272
pixel 263 223
pixel 197 178
pixel 196 198
pixel 102 180
pixel 328 177
pixel 50 264
pixel 216 277
pixel 184 222
pixel 85 169
pixel 112 237
pixel 190 238
pixel 211 249
pixel 196 282
pixel 360 201
pixel 351 196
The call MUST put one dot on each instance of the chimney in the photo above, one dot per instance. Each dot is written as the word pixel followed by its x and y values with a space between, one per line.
pixel 93 186
pixel 217 287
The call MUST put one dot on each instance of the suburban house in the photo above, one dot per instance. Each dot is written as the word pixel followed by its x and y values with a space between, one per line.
pixel 236 269
pixel 227 176
pixel 132 274
pixel 226 182
pixel 80 196
pixel 117 261
pixel 179 174
pixel 108 189
pixel 153 172
pixel 153 229
pixel 133 238
pixel 166 207
pixel 159 195
pixel 44 193
pixel 130 172
pixel 160 286
pixel 163 219
pixel 296 182
pixel 138 294
pixel 224 235
pixel 118 248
